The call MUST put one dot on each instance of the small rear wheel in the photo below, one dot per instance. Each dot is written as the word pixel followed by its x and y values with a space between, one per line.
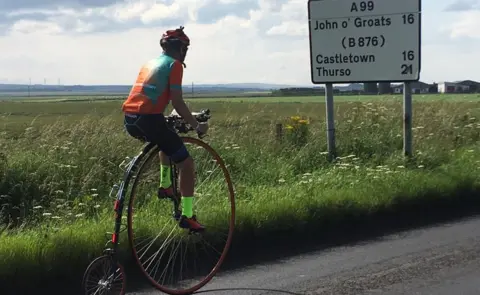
pixel 174 260
pixel 99 279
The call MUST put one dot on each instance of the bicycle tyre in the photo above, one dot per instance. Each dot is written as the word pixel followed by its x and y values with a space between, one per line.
pixel 131 236
pixel 106 260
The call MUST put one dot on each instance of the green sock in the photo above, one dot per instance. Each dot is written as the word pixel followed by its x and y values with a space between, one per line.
pixel 187 206
pixel 165 180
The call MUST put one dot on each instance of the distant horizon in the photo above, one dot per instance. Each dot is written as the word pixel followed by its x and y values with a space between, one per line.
pixel 250 84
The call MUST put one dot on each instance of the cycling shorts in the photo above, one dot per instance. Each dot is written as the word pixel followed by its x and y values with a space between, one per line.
pixel 153 128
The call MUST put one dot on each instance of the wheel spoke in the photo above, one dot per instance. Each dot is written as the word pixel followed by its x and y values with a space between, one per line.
pixel 172 259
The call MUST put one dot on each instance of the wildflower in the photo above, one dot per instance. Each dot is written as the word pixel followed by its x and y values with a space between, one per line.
pixel 421 166
pixel 281 180
pixel 37 207
pixel 303 122
pixel 295 118
pixel 47 214
pixel 94 195
pixel 80 215
pixel 96 206
pixel 289 127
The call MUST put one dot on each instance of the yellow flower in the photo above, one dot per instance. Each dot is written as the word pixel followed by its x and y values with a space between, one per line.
pixel 295 118
pixel 303 122
pixel 289 127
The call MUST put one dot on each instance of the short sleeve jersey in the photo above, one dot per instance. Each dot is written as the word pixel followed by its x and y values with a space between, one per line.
pixel 151 92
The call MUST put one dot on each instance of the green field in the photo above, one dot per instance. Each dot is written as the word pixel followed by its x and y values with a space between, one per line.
pixel 61 159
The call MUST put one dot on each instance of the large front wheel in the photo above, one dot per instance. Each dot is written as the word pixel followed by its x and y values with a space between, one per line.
pixel 174 260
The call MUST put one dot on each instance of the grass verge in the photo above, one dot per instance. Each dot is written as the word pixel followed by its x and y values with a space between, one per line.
pixel 49 257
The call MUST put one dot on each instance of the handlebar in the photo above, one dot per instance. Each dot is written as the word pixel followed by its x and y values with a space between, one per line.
pixel 176 122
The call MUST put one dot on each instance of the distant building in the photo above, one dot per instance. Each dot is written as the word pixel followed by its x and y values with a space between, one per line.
pixel 370 88
pixel 417 88
pixel 384 88
pixel 350 87
pixel 452 87
pixel 473 86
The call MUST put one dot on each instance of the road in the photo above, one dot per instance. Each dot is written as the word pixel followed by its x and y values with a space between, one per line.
pixel 440 260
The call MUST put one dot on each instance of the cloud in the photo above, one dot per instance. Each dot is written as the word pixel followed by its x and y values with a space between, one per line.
pixel 102 16
pixel 213 10
pixel 7 5
pixel 463 5
pixel 467 26
pixel 89 16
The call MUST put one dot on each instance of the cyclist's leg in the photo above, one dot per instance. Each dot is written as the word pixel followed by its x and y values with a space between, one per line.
pixel 165 187
pixel 173 147
pixel 142 127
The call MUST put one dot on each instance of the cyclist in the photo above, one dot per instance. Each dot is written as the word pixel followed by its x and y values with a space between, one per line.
pixel 159 82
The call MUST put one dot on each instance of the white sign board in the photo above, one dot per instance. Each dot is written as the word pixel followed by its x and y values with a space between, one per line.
pixel 364 41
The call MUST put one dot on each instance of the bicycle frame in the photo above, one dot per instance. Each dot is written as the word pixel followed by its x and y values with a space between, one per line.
pixel 119 203
pixel 121 190
pixel 130 170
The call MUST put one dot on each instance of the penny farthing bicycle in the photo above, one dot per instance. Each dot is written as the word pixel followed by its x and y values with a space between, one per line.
pixel 175 261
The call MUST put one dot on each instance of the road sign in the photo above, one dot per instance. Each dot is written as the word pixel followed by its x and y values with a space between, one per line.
pixel 364 41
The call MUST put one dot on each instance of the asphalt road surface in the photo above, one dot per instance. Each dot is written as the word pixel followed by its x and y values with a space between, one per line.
pixel 440 260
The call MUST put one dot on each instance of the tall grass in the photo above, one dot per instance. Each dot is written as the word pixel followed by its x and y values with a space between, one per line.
pixel 58 168
pixel 60 161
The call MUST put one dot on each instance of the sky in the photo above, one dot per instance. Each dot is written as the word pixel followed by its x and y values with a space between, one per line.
pixel 233 41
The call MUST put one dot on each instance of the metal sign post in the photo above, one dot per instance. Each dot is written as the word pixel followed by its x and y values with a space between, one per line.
pixel 407 119
pixel 330 120
pixel 364 41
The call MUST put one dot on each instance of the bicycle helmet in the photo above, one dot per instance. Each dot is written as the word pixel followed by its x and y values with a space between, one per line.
pixel 176 40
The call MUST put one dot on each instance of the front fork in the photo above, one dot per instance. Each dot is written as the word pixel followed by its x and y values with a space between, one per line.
pixel 119 190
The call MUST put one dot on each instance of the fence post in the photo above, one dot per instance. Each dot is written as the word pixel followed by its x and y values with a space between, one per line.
pixel 279 132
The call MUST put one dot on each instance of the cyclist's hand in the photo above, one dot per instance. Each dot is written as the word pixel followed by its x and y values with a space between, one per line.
pixel 202 128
